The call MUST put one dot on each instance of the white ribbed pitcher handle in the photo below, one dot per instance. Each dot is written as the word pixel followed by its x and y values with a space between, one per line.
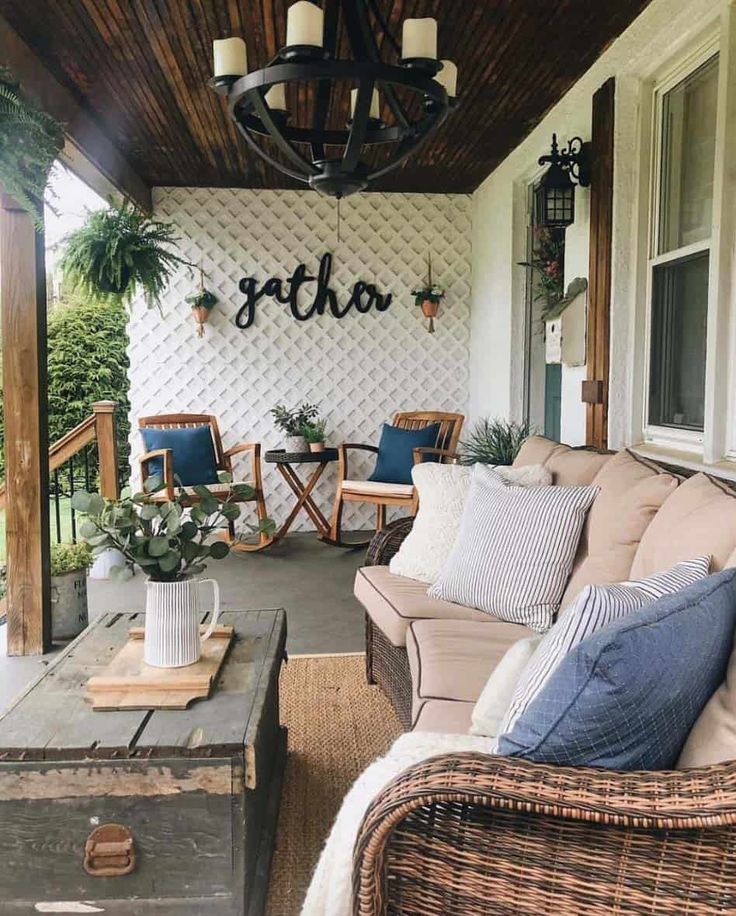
pixel 216 612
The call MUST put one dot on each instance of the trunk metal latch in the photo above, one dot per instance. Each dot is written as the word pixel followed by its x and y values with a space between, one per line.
pixel 109 852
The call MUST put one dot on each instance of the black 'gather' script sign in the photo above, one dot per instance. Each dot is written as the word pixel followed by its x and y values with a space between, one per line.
pixel 364 295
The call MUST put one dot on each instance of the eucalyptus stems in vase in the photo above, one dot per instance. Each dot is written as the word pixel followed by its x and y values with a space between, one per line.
pixel 171 541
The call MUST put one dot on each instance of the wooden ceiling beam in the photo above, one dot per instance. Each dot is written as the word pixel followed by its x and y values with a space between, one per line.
pixel 88 151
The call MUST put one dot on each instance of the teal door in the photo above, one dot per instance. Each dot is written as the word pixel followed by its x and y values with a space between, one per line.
pixel 552 400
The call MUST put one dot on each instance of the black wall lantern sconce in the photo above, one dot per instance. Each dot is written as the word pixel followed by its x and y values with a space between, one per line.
pixel 555 194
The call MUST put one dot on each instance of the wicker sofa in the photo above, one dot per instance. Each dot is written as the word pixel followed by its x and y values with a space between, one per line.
pixel 471 834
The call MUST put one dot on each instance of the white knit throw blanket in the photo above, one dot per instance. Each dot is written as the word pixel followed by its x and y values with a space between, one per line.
pixel 330 891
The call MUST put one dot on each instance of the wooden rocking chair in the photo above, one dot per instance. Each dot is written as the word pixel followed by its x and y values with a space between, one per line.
pixel 224 462
pixel 382 495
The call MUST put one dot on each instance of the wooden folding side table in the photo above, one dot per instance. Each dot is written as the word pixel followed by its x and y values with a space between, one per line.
pixel 284 461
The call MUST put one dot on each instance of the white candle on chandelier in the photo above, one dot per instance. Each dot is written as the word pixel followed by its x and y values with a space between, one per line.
pixel 230 57
pixel 419 39
pixel 305 25
pixel 276 97
pixel 447 77
pixel 375 111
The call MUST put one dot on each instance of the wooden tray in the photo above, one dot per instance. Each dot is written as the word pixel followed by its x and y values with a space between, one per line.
pixel 129 683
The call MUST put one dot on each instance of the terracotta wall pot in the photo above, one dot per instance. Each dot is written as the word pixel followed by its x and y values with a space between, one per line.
pixel 430 309
pixel 201 316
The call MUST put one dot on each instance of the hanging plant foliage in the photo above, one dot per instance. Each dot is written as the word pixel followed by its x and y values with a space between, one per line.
pixel 118 251
pixel 30 142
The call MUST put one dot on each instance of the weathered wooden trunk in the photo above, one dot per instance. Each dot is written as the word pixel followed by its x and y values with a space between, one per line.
pixel 196 792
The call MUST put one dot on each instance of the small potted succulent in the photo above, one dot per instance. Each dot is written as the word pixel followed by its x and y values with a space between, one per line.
pixel 69 565
pixel 314 434
pixel 170 541
pixel 291 422
pixel 429 297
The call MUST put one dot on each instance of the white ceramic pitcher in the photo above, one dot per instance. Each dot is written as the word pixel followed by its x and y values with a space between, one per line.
pixel 172 638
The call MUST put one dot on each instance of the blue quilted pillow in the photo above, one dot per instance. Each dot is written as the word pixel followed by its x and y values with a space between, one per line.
pixel 396 451
pixel 193 453
pixel 627 697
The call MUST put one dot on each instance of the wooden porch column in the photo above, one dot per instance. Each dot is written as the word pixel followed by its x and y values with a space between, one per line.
pixel 595 388
pixel 23 303
pixel 107 448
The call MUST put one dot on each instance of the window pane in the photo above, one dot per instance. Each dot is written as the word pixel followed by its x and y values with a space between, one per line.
pixel 679 315
pixel 688 155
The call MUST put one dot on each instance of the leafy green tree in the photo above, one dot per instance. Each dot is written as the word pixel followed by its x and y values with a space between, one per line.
pixel 87 362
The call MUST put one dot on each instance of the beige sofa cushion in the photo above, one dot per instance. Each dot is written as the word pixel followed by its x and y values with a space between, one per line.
pixel 392 602
pixel 713 737
pixel 698 519
pixel 452 660
pixel 449 717
pixel 570 467
pixel 632 490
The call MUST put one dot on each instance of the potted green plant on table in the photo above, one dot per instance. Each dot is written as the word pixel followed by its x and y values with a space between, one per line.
pixel 119 251
pixel 171 541
pixel 314 434
pixel 429 297
pixel 291 422
pixel 69 611
pixel 493 441
pixel 30 143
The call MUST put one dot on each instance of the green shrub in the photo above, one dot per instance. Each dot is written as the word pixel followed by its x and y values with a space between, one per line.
pixel 69 557
pixel 87 362
pixel 494 442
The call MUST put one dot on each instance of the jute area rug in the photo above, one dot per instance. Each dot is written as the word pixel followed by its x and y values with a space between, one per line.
pixel 337 726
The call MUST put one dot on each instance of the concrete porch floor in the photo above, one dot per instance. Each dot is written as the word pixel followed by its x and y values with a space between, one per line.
pixel 312 581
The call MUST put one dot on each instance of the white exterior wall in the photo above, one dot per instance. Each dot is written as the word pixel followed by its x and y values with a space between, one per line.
pixel 499 221
pixel 360 369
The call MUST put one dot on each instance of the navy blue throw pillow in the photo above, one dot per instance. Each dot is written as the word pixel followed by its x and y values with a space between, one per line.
pixel 627 697
pixel 396 451
pixel 193 453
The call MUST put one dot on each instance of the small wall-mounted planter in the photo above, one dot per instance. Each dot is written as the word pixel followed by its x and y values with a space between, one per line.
pixel 430 310
pixel 201 316
pixel 202 304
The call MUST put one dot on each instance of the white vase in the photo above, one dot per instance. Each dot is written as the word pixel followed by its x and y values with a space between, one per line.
pixel 172 638
pixel 294 444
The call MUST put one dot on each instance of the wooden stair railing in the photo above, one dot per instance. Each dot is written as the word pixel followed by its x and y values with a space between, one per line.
pixel 100 426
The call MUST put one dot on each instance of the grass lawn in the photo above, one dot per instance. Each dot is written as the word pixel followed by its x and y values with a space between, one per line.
pixel 65 526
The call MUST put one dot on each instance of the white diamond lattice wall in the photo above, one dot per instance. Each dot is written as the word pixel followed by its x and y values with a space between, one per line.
pixel 360 369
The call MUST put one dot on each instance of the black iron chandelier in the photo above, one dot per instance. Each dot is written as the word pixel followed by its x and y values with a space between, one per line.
pixel 329 159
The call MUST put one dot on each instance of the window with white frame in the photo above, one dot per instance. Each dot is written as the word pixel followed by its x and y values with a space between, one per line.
pixel 681 237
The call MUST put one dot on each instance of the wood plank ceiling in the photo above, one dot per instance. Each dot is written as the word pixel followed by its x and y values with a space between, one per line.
pixel 141 66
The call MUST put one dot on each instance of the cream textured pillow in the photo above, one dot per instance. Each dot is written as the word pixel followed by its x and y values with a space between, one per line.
pixel 442 490
pixel 515 549
pixel 492 704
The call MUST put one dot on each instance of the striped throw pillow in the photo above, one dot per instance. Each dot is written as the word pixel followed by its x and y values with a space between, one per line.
pixel 515 549
pixel 596 607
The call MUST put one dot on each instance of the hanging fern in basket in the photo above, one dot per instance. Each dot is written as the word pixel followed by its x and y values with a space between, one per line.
pixel 118 251
pixel 30 142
